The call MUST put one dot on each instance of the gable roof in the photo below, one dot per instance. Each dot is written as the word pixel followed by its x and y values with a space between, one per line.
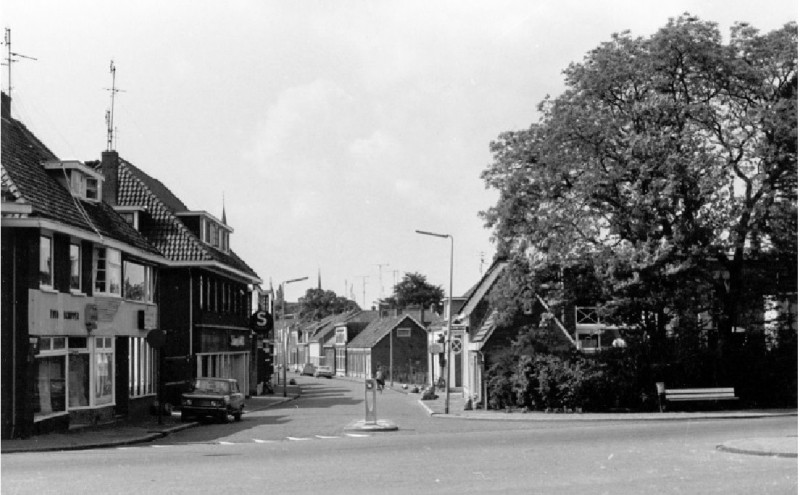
pixel 25 180
pixel 165 230
pixel 482 288
pixel 379 329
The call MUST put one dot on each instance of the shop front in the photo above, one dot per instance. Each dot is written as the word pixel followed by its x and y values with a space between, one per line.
pixel 76 359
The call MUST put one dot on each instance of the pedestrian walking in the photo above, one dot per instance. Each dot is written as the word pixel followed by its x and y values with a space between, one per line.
pixel 380 378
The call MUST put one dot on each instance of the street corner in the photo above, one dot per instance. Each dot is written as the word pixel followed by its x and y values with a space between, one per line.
pixel 769 447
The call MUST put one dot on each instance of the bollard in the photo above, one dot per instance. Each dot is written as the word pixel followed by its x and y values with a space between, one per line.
pixel 371 414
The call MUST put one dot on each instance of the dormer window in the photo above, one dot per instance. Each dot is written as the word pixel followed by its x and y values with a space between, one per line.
pixel 208 228
pixel 82 181
pixel 92 189
pixel 132 215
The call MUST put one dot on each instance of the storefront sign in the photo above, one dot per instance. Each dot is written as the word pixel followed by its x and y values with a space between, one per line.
pixel 237 341
pixel 106 309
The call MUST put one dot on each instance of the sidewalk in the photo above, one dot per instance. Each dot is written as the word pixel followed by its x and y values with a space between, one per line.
pixel 778 446
pixel 128 433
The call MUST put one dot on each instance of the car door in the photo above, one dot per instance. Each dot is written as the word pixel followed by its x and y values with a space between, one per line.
pixel 237 398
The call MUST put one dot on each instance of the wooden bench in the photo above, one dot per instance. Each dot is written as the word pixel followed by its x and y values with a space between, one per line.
pixel 699 394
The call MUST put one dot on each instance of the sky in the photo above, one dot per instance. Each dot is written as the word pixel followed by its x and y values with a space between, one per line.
pixel 330 130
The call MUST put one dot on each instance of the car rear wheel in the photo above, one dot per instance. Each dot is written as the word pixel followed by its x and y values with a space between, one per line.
pixel 238 415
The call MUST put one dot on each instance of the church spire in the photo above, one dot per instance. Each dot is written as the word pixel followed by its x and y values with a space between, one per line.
pixel 224 218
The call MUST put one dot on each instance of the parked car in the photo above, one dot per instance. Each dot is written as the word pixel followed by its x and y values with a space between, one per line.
pixel 325 371
pixel 213 397
pixel 308 369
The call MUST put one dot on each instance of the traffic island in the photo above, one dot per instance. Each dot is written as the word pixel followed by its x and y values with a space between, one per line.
pixel 378 425
pixel 371 421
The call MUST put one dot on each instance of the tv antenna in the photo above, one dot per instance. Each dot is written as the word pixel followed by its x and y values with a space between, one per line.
pixel 110 129
pixel 380 276
pixel 363 289
pixel 10 57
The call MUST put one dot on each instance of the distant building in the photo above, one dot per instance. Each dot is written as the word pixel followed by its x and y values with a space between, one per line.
pixel 398 343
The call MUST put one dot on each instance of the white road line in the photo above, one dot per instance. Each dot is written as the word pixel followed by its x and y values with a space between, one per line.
pixel 297 439
pixel 325 437
pixel 256 440
pixel 227 443
pixel 356 435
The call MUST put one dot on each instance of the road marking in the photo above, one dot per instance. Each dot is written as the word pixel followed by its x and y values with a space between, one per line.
pixel 325 437
pixel 297 439
pixel 357 435
pixel 256 440
pixel 226 443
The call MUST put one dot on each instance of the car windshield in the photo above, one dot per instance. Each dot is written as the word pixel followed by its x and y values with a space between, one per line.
pixel 211 386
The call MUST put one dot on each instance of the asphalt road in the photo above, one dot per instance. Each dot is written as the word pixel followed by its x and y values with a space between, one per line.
pixel 303 447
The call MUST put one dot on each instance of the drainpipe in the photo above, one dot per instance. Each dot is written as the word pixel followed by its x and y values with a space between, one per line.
pixel 191 314
pixel 15 327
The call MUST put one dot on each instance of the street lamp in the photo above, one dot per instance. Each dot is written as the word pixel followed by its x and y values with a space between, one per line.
pixel 447 331
pixel 284 330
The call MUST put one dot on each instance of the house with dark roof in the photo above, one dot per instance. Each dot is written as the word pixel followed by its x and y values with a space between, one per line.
pixel 205 284
pixel 321 338
pixel 78 295
pixel 397 343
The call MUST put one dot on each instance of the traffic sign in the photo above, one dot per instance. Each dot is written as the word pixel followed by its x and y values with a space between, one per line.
pixel 262 321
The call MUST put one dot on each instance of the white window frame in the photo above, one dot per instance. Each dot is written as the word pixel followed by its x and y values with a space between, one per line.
pixel 103 346
pixel 149 281
pixel 106 271
pixel 72 264
pixel 91 189
pixel 47 284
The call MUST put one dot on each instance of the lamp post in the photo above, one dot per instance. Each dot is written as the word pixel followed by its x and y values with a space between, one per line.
pixel 284 332
pixel 449 318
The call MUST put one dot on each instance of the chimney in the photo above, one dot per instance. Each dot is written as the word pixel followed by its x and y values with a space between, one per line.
pixel 6 110
pixel 110 168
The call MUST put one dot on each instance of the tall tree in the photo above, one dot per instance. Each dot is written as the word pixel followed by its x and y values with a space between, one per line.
pixel 319 303
pixel 414 290
pixel 668 161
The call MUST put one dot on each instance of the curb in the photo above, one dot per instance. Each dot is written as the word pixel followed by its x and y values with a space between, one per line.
pixel 600 417
pixel 152 434
pixel 734 450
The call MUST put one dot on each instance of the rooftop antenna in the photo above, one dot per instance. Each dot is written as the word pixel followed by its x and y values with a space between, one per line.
pixel 380 276
pixel 10 57
pixel 363 289
pixel 110 113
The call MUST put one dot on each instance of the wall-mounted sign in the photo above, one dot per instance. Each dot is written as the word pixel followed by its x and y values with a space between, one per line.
pixel 90 315
pixel 237 341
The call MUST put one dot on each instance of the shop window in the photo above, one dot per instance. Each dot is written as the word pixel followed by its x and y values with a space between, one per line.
pixel 49 393
pixel 139 282
pixel 75 267
pixel 79 370
pixel 45 262
pixel 104 371
pixel 79 380
pixel 141 367
pixel 107 271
